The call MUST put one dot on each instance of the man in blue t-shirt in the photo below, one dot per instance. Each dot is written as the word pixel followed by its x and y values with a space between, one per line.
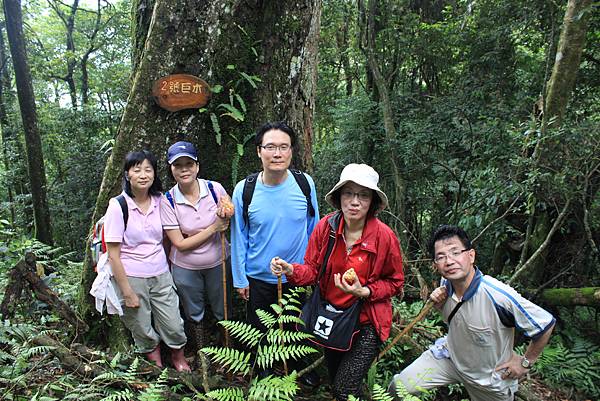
pixel 279 221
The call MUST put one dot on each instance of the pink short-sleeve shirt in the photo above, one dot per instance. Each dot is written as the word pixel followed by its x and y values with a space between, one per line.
pixel 142 252
pixel 191 219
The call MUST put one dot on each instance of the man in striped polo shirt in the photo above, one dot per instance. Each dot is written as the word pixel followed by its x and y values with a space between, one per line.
pixel 482 314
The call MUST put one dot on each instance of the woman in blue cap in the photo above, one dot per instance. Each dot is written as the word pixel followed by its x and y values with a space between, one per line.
pixel 194 218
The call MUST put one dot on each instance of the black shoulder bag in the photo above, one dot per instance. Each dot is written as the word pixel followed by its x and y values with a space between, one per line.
pixel 331 327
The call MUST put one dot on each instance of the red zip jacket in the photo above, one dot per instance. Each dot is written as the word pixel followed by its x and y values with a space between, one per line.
pixel 385 277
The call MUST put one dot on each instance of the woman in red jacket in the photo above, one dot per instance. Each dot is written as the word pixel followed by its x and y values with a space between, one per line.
pixel 367 245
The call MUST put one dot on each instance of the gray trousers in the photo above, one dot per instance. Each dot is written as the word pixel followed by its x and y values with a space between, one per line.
pixel 426 372
pixel 196 288
pixel 157 317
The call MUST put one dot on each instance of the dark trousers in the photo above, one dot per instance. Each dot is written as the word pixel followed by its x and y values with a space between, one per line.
pixel 262 295
pixel 347 369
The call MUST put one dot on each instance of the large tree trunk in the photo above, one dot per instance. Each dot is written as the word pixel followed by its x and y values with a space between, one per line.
pixel 568 56
pixel 5 128
pixel 369 14
pixel 33 143
pixel 273 40
pixel 558 92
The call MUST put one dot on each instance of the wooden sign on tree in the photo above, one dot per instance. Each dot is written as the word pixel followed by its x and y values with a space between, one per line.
pixel 181 91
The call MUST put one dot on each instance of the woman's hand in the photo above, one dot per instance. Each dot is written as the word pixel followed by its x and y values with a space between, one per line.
pixel 225 208
pixel 220 224
pixel 355 288
pixel 131 299
pixel 280 266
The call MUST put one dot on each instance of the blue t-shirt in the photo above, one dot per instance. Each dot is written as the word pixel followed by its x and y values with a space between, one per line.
pixel 278 225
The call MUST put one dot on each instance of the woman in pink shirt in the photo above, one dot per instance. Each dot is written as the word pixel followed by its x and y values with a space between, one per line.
pixel 194 221
pixel 139 264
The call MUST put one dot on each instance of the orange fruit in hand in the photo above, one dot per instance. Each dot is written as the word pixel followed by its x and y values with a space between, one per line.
pixel 350 276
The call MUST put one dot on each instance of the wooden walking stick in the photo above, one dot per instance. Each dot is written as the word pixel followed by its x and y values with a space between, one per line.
pixel 227 210
pixel 408 328
pixel 225 306
pixel 279 296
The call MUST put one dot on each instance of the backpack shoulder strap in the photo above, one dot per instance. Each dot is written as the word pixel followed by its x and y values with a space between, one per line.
pixel 247 193
pixel 124 208
pixel 211 188
pixel 170 199
pixel 305 187
pixel 330 244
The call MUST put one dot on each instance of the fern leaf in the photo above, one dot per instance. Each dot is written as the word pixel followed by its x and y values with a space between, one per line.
pixel 234 360
pixel 243 332
pixel 227 394
pixel 273 388
pixel 266 318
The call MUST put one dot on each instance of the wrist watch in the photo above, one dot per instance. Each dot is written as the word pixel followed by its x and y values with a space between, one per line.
pixel 525 362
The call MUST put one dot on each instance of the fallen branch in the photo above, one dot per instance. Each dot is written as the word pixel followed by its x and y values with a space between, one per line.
pixel 417 319
pixel 24 271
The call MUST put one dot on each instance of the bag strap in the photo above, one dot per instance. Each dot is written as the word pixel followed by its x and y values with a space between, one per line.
pixel 330 244
pixel 305 188
pixel 212 191
pixel 170 199
pixel 124 208
pixel 456 308
pixel 247 193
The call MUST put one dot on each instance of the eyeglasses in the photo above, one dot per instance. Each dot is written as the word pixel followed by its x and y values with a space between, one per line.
pixel 441 259
pixel 362 196
pixel 273 148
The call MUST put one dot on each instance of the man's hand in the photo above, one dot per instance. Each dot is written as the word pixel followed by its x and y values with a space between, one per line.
pixel 355 288
pixel 512 368
pixel 244 293
pixel 439 296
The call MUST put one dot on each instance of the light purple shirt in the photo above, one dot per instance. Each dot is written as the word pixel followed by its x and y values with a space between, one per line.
pixel 142 252
pixel 191 219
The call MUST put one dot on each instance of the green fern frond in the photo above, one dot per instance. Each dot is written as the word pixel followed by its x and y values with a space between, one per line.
pixel 292 308
pixel 269 354
pixel 277 309
pixel 381 394
pixel 5 356
pixel 245 333
pixel 123 395
pixel 115 361
pixel 286 319
pixel 156 390
pixel 273 388
pixel 286 337
pixel 107 377
pixel 234 360
pixel 227 394
pixel 35 351
pixel 266 318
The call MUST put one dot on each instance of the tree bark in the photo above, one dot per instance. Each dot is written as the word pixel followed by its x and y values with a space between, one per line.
pixel 33 143
pixel 5 128
pixel 369 12
pixel 566 64
pixel 273 40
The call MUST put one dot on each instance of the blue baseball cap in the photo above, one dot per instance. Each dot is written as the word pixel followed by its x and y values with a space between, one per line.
pixel 181 149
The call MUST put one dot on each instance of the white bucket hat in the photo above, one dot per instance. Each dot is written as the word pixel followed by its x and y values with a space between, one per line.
pixel 360 174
